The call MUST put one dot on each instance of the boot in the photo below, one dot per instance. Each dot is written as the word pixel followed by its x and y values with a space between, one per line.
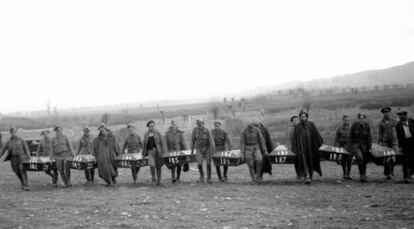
pixel 259 166
pixel 209 173
pixel 201 171
pixel 178 173
pixel 225 168
pixel 252 175
pixel 173 180
pixel 158 176
pixel 219 174
pixel 153 179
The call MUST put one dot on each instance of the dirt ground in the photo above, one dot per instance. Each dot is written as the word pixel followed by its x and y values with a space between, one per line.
pixel 281 202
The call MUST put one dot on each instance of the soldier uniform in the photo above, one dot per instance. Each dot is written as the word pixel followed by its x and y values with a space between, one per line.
pixel 132 144
pixel 387 137
pixel 359 143
pixel 18 153
pixel 44 149
pixel 86 148
pixel 251 144
pixel 221 138
pixel 175 142
pixel 203 143
pixel 61 149
pixel 341 138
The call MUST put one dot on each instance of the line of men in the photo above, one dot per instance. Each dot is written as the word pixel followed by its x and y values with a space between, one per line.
pixel 105 148
pixel 356 138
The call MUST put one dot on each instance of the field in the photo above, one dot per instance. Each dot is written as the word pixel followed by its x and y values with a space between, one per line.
pixel 281 202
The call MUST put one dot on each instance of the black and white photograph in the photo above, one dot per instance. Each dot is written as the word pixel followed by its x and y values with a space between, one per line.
pixel 207 114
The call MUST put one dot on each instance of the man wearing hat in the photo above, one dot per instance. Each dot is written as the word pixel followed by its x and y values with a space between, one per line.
pixel 86 148
pixel 359 143
pixel 203 143
pixel 132 144
pixel 18 153
pixel 44 149
pixel 405 135
pixel 175 142
pixel 294 120
pixel 61 149
pixel 387 137
pixel 221 140
pixel 340 140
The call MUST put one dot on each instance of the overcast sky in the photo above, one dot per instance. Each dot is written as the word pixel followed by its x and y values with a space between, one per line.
pixel 83 53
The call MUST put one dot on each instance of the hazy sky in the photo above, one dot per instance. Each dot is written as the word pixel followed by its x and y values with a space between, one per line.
pixel 82 53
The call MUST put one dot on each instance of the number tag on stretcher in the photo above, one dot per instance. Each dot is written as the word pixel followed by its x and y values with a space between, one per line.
pixel 332 153
pixel 81 162
pixel 37 164
pixel 228 158
pixel 132 160
pixel 381 155
pixel 178 157
pixel 281 155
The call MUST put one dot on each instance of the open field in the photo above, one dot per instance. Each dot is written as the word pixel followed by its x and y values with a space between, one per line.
pixel 281 202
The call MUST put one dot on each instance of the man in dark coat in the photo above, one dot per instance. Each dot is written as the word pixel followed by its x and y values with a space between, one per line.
pixel 405 135
pixel 359 143
pixel 306 141
pixel 266 166
pixel 387 137
pixel 294 120
pixel 341 138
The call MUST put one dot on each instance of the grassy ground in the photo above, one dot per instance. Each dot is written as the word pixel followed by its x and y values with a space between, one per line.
pixel 281 202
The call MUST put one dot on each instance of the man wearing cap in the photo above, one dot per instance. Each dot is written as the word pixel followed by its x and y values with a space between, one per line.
pixel 405 135
pixel 294 120
pixel 132 144
pixel 105 149
pixel 175 142
pixel 86 148
pixel 61 149
pixel 18 153
pixel 341 138
pixel 387 137
pixel 359 143
pixel 203 143
pixel 251 145
pixel 44 149
pixel 154 147
pixel 221 140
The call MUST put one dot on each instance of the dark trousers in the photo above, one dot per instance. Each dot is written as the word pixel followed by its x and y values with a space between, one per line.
pixel 90 175
pixel 134 172
pixel 63 169
pixel 408 159
pixel 18 168
pixel 346 164
pixel 52 172
pixel 388 168
pixel 173 169
pixel 225 168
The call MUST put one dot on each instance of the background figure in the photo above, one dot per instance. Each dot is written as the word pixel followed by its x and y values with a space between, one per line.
pixel 359 143
pixel 18 153
pixel 306 141
pixel 154 147
pixel 132 144
pixel 266 166
pixel 387 137
pixel 341 138
pixel 294 120
pixel 405 134
pixel 61 150
pixel 203 143
pixel 86 148
pixel 44 149
pixel 221 139
pixel 105 149
pixel 251 145
pixel 175 142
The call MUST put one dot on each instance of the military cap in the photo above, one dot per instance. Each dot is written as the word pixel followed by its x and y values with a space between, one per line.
pixel 200 120
pixel 173 122
pixel 150 122
pixel 385 109
pixel 44 132
pixel 293 117
pixel 361 114
pixel 102 126
pixel 217 122
pixel 345 116
pixel 57 128
pixel 86 129
pixel 402 112
pixel 130 126
pixel 13 129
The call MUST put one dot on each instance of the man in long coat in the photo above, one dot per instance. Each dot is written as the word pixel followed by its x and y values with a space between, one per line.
pixel 405 134
pixel 306 141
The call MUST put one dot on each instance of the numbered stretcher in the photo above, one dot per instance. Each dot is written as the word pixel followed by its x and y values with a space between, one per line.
pixel 381 155
pixel 228 158
pixel 281 155
pixel 81 162
pixel 37 164
pixel 332 153
pixel 131 160
pixel 178 158
pixel 32 144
